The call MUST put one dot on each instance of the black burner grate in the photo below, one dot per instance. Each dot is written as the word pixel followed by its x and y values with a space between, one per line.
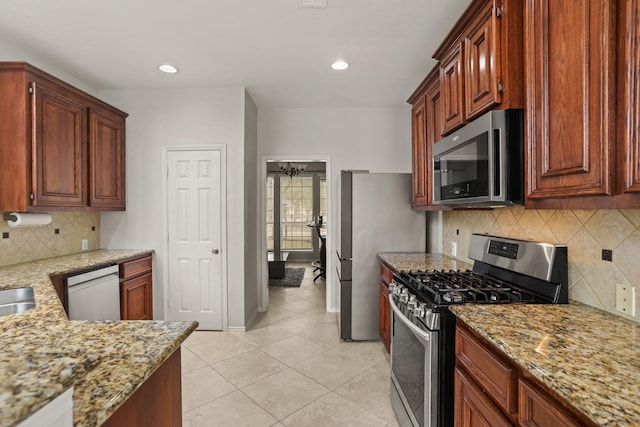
pixel 455 287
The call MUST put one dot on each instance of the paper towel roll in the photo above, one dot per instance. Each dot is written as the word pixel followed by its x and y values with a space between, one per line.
pixel 29 220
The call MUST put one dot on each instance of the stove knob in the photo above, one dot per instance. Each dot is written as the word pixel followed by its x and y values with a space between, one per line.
pixel 394 288
pixel 404 295
pixel 412 304
pixel 419 310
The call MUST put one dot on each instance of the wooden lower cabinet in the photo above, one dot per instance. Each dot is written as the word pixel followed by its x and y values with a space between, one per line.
pixel 472 406
pixel 136 298
pixel 535 409
pixel 136 289
pixel 385 316
pixel 59 284
pixel 386 276
pixel 492 390
pixel 158 401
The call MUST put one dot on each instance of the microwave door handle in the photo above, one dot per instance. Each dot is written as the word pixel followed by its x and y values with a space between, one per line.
pixel 498 162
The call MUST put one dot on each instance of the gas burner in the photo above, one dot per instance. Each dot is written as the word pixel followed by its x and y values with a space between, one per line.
pixel 457 287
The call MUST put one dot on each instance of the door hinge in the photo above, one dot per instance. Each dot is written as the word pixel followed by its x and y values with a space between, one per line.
pixel 500 11
pixel 500 87
pixel 32 196
pixel 31 90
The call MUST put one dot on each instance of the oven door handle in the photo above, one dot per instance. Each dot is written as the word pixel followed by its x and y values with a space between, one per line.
pixel 416 330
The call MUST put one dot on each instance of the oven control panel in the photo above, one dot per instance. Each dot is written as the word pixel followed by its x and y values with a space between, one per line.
pixel 503 249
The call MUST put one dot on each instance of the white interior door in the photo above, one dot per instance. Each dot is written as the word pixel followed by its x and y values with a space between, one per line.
pixel 196 256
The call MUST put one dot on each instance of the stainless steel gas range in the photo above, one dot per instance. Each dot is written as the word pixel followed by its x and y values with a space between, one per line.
pixel 505 271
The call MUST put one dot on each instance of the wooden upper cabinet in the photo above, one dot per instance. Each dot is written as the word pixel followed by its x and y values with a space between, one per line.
pixel 570 87
pixel 426 127
pixel 452 89
pixel 481 62
pixel 106 161
pixel 59 147
pixel 418 153
pixel 629 99
pixel 483 74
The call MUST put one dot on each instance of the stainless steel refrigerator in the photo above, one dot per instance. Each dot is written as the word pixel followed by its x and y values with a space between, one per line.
pixel 375 216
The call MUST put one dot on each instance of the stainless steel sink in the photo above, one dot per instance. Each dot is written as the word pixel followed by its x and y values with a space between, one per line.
pixel 13 301
pixel 15 308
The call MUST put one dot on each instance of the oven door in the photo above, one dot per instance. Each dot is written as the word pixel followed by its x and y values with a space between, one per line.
pixel 414 371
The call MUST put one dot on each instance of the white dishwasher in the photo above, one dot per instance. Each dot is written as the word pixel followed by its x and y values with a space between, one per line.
pixel 94 295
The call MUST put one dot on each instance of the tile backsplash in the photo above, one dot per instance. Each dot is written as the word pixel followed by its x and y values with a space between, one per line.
pixel 586 232
pixel 34 243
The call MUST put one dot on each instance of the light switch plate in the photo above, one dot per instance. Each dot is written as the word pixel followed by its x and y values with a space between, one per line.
pixel 626 299
pixel 85 244
pixel 454 248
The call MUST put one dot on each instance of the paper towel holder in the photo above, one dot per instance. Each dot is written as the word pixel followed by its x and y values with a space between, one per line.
pixel 9 217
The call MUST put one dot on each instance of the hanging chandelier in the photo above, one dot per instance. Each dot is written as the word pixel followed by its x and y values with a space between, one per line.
pixel 292 169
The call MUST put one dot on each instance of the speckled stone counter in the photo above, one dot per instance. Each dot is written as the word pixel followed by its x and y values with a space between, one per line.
pixel 43 353
pixel 405 261
pixel 589 357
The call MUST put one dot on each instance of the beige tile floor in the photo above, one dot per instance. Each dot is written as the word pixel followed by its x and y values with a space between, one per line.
pixel 289 369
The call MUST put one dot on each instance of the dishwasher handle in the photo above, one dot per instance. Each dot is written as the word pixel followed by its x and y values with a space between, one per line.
pixel 91 275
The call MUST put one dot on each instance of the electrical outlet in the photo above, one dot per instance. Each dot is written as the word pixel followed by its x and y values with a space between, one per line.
pixel 85 244
pixel 454 248
pixel 626 299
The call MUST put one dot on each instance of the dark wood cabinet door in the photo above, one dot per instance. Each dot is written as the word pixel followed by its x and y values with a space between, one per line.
pixel 157 402
pixel 482 73
pixel 136 298
pixel 629 83
pixel 385 316
pixel 537 410
pixel 419 153
pixel 494 374
pixel 570 69
pixel 106 160
pixel 59 148
pixel 472 407
pixel 451 89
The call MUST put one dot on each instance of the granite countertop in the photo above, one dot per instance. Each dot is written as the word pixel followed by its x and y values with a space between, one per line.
pixel 405 261
pixel 589 357
pixel 43 353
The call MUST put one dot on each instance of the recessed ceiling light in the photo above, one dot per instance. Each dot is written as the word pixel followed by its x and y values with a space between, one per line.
pixel 340 65
pixel 168 68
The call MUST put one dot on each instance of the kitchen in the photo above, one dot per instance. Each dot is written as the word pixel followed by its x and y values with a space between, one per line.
pixel 228 115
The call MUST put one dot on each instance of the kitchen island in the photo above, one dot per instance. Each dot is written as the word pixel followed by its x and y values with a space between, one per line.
pixel 43 353
pixel 589 357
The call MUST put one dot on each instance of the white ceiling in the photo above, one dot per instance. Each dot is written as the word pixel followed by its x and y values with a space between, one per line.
pixel 278 51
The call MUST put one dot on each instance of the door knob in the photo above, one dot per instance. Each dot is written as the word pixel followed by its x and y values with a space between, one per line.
pixel 215 251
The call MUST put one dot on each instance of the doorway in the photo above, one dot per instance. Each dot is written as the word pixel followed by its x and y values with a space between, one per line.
pixel 284 228
pixel 195 224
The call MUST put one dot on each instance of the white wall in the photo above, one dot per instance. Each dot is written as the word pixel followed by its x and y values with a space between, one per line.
pixel 10 53
pixel 251 212
pixel 377 139
pixel 160 118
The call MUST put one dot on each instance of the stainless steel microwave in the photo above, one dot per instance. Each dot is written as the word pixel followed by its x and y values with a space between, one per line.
pixel 481 164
